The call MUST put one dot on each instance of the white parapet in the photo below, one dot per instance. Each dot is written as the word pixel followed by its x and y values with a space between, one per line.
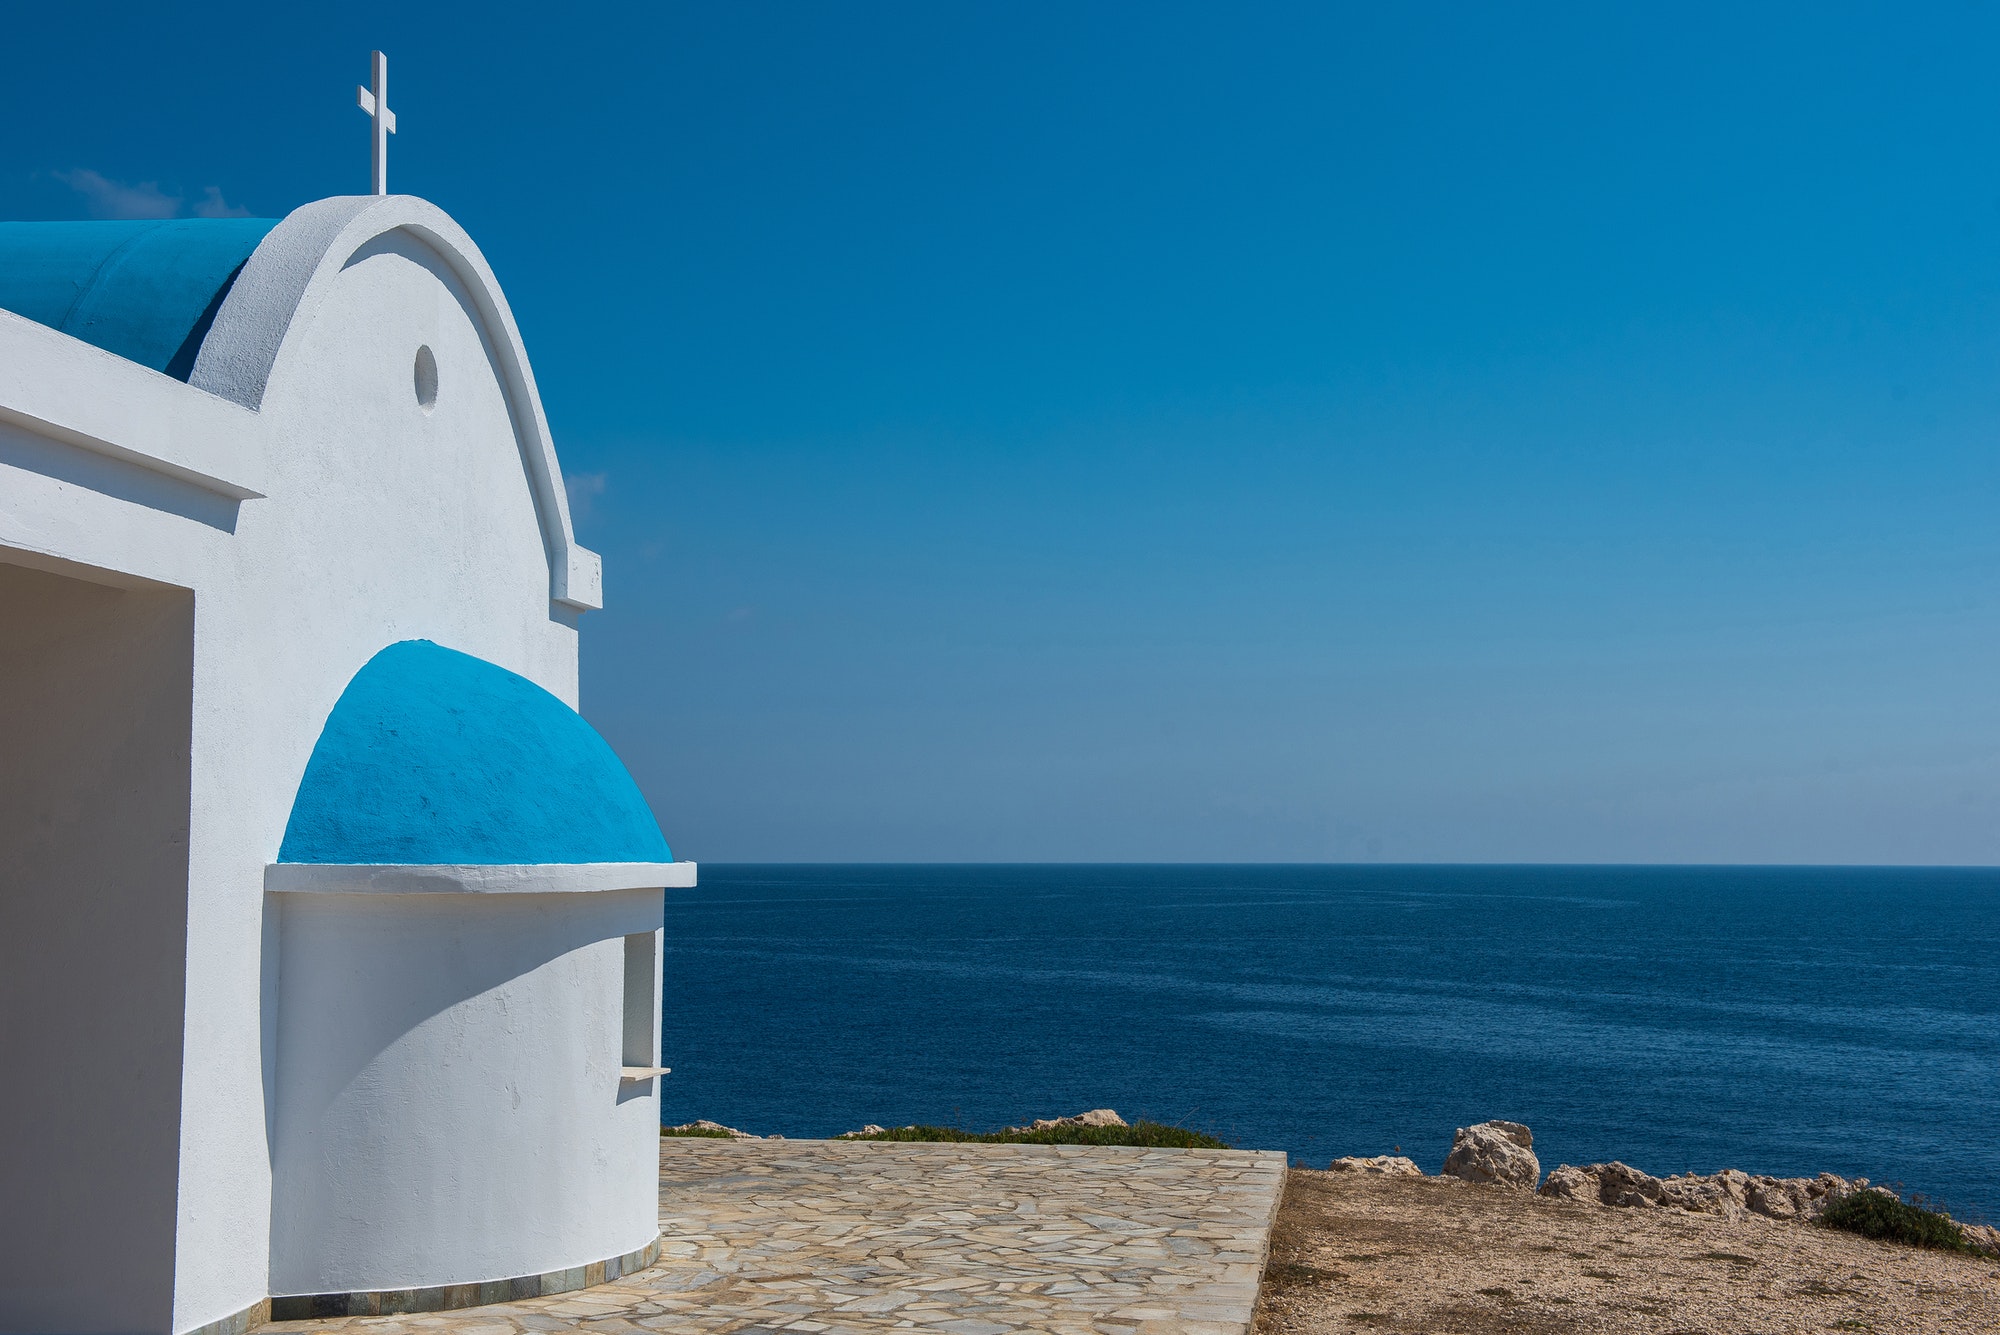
pixel 536 878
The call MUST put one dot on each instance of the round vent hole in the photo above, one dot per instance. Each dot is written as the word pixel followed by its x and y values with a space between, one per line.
pixel 427 379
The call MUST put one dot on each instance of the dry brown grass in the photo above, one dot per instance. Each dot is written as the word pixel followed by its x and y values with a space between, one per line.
pixel 1443 1257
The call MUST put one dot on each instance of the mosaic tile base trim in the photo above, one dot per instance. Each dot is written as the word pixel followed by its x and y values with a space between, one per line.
pixel 846 1237
pixel 450 1297
pixel 239 1323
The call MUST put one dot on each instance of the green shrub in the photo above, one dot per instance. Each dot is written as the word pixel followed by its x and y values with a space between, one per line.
pixel 1877 1214
pixel 699 1132
pixel 1151 1135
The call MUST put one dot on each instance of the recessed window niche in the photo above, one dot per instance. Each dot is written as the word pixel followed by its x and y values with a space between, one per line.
pixel 642 1001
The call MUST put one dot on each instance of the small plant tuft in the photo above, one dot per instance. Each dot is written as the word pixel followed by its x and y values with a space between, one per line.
pixel 1875 1213
pixel 698 1132
pixel 1148 1135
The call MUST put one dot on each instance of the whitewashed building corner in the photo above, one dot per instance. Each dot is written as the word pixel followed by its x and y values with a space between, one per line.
pixel 330 933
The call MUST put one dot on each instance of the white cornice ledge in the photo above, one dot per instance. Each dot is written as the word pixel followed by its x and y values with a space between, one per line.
pixel 65 389
pixel 533 878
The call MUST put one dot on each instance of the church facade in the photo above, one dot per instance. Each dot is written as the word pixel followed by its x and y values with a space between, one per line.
pixel 330 933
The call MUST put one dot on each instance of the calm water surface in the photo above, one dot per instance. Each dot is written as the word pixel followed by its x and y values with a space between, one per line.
pixel 1777 1020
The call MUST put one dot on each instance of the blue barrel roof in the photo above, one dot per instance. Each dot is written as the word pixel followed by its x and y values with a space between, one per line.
pixel 147 291
pixel 434 756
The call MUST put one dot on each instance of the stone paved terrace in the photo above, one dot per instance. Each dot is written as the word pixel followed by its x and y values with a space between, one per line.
pixel 838 1236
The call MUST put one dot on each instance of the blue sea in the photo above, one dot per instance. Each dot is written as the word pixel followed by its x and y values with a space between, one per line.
pixel 1782 1021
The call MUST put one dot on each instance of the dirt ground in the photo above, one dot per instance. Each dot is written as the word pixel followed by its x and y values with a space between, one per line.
pixel 1436 1255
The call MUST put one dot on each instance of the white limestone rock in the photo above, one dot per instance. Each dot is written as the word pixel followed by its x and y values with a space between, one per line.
pixel 1726 1193
pixel 703 1124
pixel 1799 1197
pixel 1730 1193
pixel 1385 1165
pixel 869 1130
pixel 1567 1182
pixel 1498 1152
pixel 1095 1117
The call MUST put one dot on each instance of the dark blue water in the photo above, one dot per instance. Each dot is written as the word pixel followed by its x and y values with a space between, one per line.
pixel 1777 1020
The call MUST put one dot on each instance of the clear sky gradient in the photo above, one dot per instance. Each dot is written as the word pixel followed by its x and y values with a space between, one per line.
pixel 1141 432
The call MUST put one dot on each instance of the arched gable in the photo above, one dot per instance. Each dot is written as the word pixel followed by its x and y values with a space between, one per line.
pixel 287 277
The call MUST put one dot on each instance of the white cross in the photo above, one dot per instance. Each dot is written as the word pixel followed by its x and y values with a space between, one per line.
pixel 376 104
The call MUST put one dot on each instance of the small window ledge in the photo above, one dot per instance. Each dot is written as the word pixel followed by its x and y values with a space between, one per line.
pixel 643 1072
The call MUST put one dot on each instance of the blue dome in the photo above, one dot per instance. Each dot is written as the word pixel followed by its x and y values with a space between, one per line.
pixel 433 756
pixel 147 291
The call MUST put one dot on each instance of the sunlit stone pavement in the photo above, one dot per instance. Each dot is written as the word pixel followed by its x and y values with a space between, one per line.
pixel 818 1235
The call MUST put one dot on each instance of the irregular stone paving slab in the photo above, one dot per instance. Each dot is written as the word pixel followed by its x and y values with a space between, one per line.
pixel 845 1236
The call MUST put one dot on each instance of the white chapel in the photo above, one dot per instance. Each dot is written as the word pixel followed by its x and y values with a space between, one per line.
pixel 330 933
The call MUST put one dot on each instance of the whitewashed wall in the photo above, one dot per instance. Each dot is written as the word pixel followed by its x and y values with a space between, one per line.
pixel 491 1025
pixel 379 520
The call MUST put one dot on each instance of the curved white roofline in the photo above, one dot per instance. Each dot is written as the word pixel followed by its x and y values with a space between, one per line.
pixel 287 277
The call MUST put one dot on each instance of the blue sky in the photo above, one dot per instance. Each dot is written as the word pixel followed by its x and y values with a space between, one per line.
pixel 1046 432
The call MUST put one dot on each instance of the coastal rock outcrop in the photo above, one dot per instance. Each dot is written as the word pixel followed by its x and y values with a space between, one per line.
pixel 1095 1117
pixel 1499 1152
pixel 1567 1182
pixel 1387 1165
pixel 1603 1184
pixel 1730 1193
pixel 702 1124
pixel 1982 1238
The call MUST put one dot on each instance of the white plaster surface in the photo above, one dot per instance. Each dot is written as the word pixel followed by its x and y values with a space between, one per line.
pixel 497 1016
pixel 288 275
pixel 317 513
pixel 94 399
